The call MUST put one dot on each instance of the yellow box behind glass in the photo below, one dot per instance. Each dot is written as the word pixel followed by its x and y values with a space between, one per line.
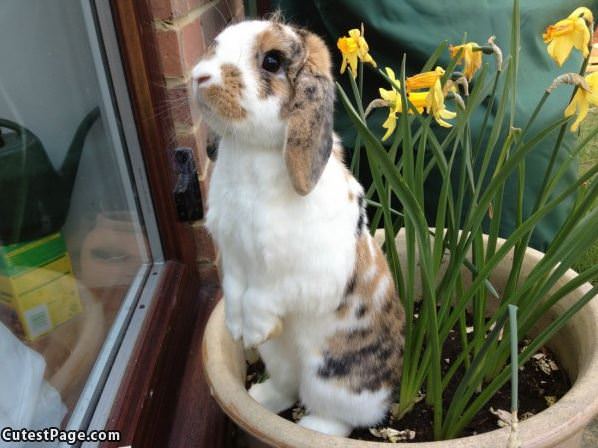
pixel 37 285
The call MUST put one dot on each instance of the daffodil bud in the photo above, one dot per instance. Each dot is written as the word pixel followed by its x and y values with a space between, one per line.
pixel 573 79
pixel 376 103
pixel 497 52
pixel 463 83
pixel 457 98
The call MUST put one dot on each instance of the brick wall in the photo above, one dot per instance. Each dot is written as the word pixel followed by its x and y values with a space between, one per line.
pixel 183 30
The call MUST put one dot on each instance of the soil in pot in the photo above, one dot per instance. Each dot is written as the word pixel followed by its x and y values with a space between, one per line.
pixel 541 383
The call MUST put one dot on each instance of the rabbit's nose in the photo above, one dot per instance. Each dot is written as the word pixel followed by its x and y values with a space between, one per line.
pixel 201 79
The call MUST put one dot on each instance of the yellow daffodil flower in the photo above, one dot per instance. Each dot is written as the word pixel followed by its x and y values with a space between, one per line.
pixel 395 106
pixel 431 100
pixel 435 105
pixel 424 80
pixel 582 101
pixel 568 33
pixel 352 48
pixel 472 60
pixel 390 124
pixel 418 100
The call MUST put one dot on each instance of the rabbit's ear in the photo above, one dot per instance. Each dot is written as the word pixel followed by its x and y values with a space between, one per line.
pixel 310 116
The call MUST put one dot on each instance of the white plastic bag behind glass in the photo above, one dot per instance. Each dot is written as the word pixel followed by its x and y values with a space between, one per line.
pixel 26 400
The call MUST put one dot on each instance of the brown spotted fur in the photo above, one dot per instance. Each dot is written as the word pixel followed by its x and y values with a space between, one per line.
pixel 368 356
pixel 310 112
pixel 226 98
pixel 307 92
pixel 275 38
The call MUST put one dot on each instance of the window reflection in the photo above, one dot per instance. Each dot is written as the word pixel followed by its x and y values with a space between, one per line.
pixel 71 239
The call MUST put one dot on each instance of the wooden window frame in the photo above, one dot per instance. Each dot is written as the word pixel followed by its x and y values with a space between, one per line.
pixel 163 399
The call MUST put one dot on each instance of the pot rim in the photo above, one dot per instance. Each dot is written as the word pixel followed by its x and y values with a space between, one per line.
pixel 561 421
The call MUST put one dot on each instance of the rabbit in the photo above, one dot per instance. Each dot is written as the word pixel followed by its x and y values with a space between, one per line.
pixel 303 280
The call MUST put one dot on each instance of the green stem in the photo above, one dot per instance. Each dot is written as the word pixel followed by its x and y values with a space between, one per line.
pixel 514 365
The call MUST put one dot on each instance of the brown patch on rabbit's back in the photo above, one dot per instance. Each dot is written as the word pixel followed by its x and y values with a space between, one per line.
pixel 226 98
pixel 367 353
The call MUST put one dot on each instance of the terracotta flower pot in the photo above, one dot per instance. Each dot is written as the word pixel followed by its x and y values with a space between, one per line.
pixel 561 425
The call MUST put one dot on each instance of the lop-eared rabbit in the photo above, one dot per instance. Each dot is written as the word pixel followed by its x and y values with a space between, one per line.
pixel 303 279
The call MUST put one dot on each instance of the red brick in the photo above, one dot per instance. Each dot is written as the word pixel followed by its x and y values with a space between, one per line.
pixel 231 9
pixel 181 49
pixel 172 9
pixel 178 105
pixel 161 9
pixel 235 8
pixel 170 52
pixel 214 20
pixel 219 16
pixel 193 4
pixel 192 43
pixel 181 104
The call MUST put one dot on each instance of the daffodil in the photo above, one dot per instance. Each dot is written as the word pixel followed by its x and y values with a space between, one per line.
pixel 571 32
pixel 352 48
pixel 390 124
pixel 418 100
pixel 471 58
pixel 435 105
pixel 582 100
pixel 424 80
pixel 393 100
pixel 430 100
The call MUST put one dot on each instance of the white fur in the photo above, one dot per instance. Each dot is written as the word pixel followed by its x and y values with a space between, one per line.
pixel 286 258
pixel 235 45
pixel 329 426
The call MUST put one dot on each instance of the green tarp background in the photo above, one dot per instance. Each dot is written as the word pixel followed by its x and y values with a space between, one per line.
pixel 416 27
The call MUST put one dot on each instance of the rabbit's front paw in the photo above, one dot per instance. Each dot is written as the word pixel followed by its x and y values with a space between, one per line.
pixel 259 327
pixel 271 397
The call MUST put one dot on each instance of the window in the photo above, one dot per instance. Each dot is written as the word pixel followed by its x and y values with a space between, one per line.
pixel 78 241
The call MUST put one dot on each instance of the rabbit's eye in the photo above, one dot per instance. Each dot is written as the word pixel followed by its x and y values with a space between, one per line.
pixel 272 61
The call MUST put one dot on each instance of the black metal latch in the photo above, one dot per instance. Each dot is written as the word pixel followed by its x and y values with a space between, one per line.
pixel 187 196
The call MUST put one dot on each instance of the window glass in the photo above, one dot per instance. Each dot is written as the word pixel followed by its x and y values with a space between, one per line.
pixel 71 238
